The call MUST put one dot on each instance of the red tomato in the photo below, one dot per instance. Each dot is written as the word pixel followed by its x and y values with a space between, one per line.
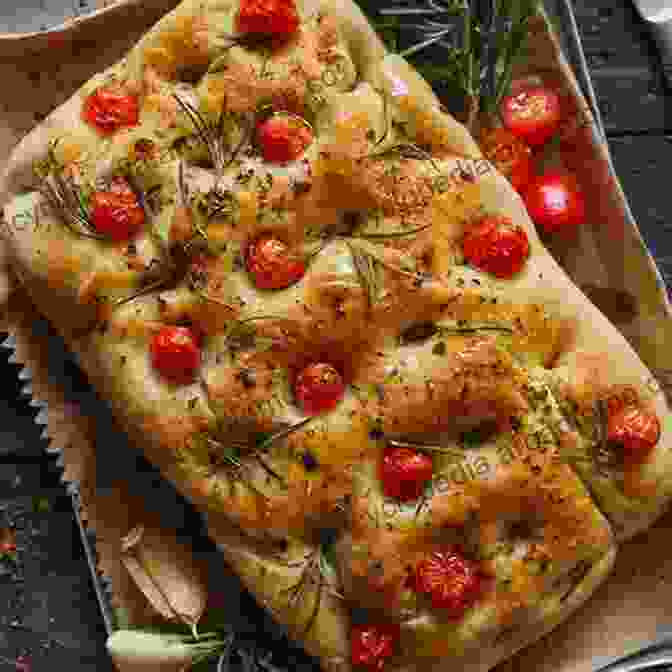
pixel 372 645
pixel 271 265
pixel 175 354
pixel 555 202
pixel 510 156
pixel 117 213
pixel 533 114
pixel 451 581
pixel 108 110
pixel 318 388
pixel 404 473
pixel 635 429
pixel 278 18
pixel 496 246
pixel 283 137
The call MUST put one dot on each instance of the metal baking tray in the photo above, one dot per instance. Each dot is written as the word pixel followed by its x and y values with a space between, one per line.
pixel 40 15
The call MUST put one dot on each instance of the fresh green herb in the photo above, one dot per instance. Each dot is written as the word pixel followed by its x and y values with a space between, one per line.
pixel 472 328
pixel 427 447
pixel 483 39
pixel 369 265
pixel 406 150
pixel 212 135
pixel 67 199
pixel 311 575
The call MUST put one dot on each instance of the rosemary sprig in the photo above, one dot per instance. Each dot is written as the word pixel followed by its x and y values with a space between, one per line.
pixel 240 330
pixel 406 150
pixel 482 40
pixel 427 447
pixel 283 434
pixel 316 571
pixel 230 455
pixel 212 135
pixel 368 266
pixel 236 470
pixel 368 274
pixel 473 328
pixel 67 200
pixel 161 283
pixel 310 575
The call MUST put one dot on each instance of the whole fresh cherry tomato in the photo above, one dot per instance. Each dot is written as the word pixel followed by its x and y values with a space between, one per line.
pixel 117 213
pixel 451 581
pixel 404 473
pixel 555 202
pixel 533 114
pixel 372 644
pixel 175 353
pixel 277 18
pixel 635 429
pixel 283 137
pixel 108 110
pixel 509 155
pixel 271 265
pixel 318 388
pixel 496 246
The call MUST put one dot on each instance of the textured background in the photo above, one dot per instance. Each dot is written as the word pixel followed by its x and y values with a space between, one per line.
pixel 47 606
pixel 24 16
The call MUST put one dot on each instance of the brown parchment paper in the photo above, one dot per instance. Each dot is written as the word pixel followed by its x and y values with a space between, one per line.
pixel 607 259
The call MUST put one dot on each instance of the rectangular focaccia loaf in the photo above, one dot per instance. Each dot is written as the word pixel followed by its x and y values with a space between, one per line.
pixel 256 233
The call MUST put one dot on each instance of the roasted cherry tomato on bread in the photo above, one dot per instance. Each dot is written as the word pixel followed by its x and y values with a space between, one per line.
pixel 451 581
pixel 108 110
pixel 496 246
pixel 176 354
pixel 271 264
pixel 283 137
pixel 372 645
pixel 509 155
pixel 634 429
pixel 277 18
pixel 533 114
pixel 318 388
pixel 405 472
pixel 117 213
pixel 555 202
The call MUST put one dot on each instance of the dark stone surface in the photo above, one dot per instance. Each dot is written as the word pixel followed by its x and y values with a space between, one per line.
pixel 48 610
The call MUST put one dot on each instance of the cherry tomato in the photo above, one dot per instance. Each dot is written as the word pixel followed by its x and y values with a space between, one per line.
pixel 451 581
pixel 117 213
pixel 318 388
pixel 271 265
pixel 533 114
pixel 278 18
pixel 555 202
pixel 108 110
pixel 635 429
pixel 175 353
pixel 372 645
pixel 404 473
pixel 510 156
pixel 496 246
pixel 283 137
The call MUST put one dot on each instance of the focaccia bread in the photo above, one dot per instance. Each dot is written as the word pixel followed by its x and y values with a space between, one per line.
pixel 330 322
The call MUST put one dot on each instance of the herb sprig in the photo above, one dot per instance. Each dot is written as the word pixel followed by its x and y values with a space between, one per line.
pixel 67 199
pixel 481 40
pixel 315 572
pixel 211 134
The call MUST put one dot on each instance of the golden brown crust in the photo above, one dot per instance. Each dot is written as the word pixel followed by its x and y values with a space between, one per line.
pixel 429 347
